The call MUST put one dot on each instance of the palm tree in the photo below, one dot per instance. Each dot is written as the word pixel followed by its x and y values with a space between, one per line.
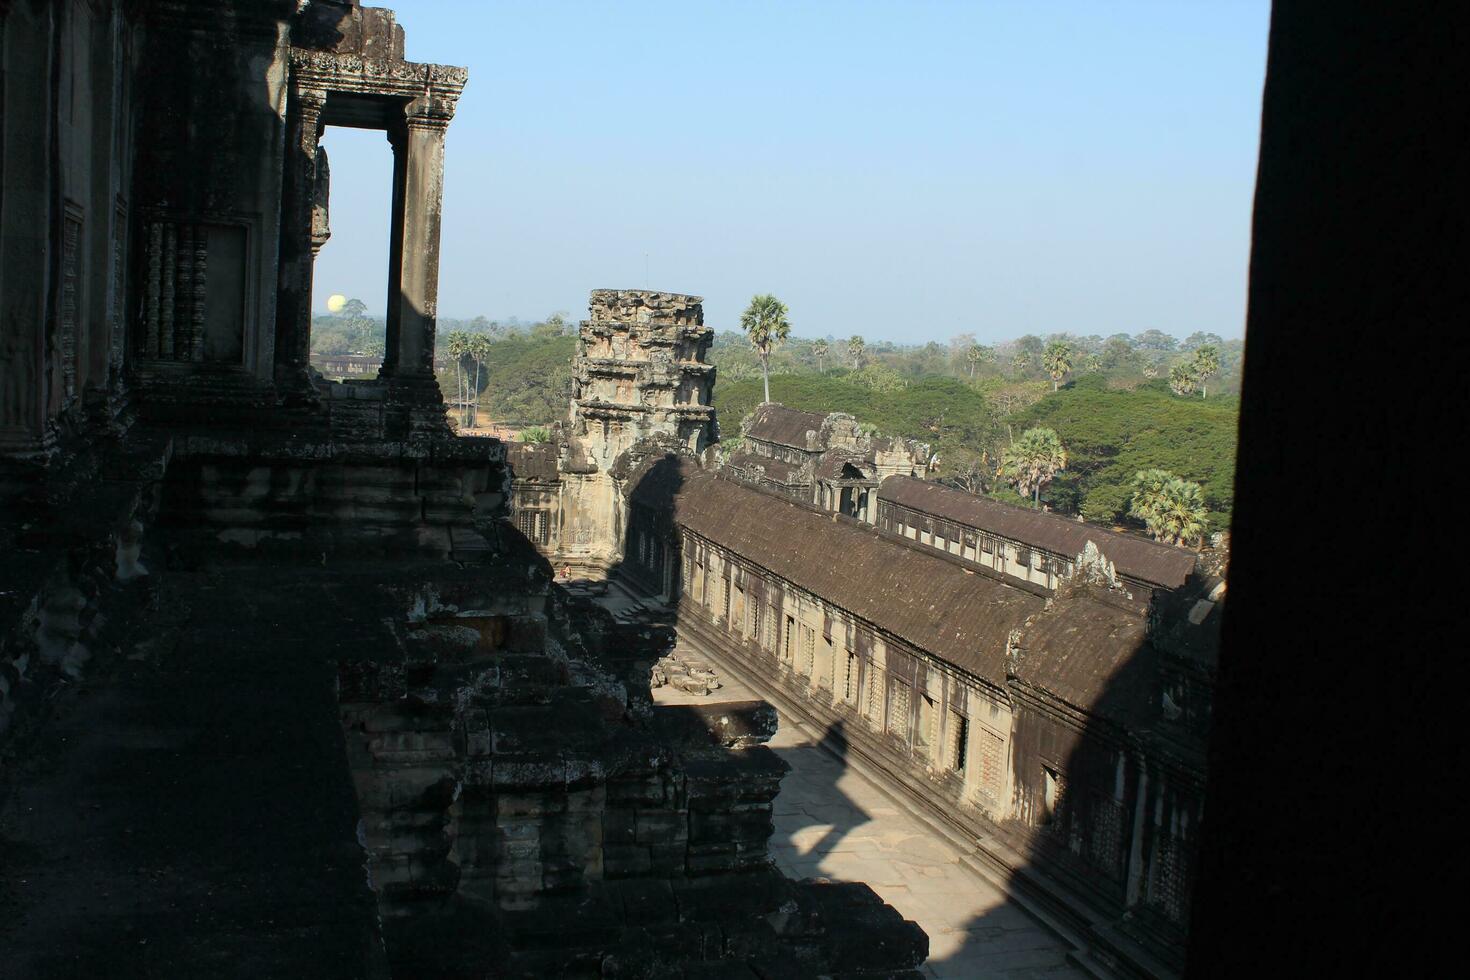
pixel 1032 461
pixel 479 349
pixel 1057 359
pixel 458 345
pixel 978 354
pixel 856 348
pixel 1148 485
pixel 1172 509
pixel 820 348
pixel 1206 365
pixel 764 322
pixel 1182 379
pixel 1182 512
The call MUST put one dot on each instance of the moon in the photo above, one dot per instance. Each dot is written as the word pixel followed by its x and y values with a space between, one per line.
pixel 335 302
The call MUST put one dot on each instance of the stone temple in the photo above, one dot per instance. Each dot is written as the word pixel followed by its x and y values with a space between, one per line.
pixel 294 681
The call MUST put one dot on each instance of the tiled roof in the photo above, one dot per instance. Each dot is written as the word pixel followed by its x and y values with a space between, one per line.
pixel 784 426
pixel 1140 559
pixel 1092 652
pixel 930 602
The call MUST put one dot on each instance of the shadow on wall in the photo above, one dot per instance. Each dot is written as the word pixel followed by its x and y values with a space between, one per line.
pixel 1106 759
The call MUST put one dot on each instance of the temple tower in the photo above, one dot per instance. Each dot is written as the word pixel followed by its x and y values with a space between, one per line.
pixel 640 387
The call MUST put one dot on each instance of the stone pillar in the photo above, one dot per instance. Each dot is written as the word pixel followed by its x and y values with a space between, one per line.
pixel 398 141
pixel 418 178
pixel 293 308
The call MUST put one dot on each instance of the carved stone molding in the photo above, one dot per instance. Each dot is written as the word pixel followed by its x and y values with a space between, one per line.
pixel 329 72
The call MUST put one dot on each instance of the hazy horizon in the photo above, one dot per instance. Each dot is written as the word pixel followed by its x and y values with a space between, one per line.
pixel 905 172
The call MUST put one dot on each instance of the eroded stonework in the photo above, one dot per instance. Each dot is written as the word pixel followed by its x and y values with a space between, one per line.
pixel 282 692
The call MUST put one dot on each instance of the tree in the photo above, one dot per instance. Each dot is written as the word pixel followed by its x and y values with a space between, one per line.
pixel 978 354
pixel 354 309
pixel 1117 352
pixel 1199 339
pixel 1032 461
pixel 1182 512
pixel 1206 365
pixel 820 348
pixel 1182 379
pixel 764 322
pixel 856 349
pixel 1057 359
pixel 1172 509
pixel 1155 340
pixel 479 349
pixel 458 345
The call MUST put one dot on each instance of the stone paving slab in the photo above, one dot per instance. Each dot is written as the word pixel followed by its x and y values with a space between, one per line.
pixel 833 822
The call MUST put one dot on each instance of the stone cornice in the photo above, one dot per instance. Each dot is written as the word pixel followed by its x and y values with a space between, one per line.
pixel 436 88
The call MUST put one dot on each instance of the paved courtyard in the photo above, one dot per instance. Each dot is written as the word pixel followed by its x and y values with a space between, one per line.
pixel 833 822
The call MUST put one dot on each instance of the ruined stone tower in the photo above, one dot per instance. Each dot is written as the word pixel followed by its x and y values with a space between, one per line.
pixel 640 385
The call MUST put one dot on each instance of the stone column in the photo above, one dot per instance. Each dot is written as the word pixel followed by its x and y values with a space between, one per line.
pixel 417 209
pixel 293 308
pixel 398 141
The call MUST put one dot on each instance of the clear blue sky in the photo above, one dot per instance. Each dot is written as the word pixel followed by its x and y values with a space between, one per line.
pixel 903 170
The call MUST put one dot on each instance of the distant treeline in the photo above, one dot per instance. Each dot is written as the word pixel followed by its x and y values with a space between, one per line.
pixel 1113 408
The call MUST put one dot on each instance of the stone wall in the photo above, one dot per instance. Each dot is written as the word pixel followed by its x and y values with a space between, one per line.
pixel 507 790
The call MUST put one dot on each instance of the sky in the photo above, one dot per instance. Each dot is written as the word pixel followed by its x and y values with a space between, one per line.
pixel 906 171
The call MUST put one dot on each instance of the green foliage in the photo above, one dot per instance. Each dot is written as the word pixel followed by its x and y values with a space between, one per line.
pixel 1182 378
pixel 764 322
pixel 1172 509
pixel 879 378
pixel 1033 461
pixel 1057 360
pixel 351 331
pixel 526 379
pixel 1111 434
pixel 536 434
pixel 951 416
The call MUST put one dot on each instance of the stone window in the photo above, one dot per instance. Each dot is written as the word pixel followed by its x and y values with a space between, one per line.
pixel 1169 884
pixel 725 600
pixel 788 649
pixel 992 763
pixel 755 623
pixel 875 695
pixel 772 635
pixel 898 709
pixel 959 741
pixel 809 650
pixel 850 678
pixel 1105 835
pixel 533 524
